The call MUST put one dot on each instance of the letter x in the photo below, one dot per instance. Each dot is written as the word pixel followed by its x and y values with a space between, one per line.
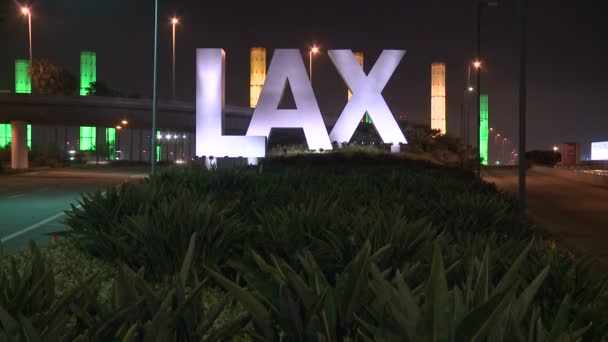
pixel 367 96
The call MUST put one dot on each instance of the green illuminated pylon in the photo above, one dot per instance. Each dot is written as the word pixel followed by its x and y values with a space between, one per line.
pixel 29 137
pixel 88 70
pixel 483 128
pixel 22 79
pixel 111 143
pixel 157 146
pixel 87 138
pixel 5 135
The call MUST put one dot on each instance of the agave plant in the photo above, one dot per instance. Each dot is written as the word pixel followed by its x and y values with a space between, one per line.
pixel 304 307
pixel 29 307
pixel 478 310
pixel 140 311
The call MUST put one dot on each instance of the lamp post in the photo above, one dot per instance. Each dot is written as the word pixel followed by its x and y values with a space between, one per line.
pixel 154 87
pixel 480 5
pixel 28 12
pixel 465 109
pixel 314 50
pixel 174 22
pixel 522 110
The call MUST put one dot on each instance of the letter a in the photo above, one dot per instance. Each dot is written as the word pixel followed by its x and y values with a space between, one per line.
pixel 287 66
pixel 210 112
pixel 367 96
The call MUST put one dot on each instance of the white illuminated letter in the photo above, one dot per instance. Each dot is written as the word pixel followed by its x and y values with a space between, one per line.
pixel 210 112
pixel 367 96
pixel 287 66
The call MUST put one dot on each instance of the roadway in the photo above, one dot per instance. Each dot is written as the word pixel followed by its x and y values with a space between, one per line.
pixel 573 211
pixel 33 204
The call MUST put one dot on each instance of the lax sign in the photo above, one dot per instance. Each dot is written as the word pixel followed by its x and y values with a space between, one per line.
pixel 287 65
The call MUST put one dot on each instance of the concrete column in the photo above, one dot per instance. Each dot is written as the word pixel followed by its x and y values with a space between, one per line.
pixel 19 145
pixel 395 148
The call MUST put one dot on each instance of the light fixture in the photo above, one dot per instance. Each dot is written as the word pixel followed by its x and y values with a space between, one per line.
pixel 124 122
pixel 477 64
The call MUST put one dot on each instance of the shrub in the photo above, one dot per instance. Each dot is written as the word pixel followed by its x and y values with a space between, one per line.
pixel 321 211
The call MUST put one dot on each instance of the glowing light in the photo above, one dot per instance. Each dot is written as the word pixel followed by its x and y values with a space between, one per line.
pixel 25 10
pixel 477 64
pixel 29 137
pixel 257 75
pixel 314 50
pixel 118 127
pixel 124 122
pixel 555 148
pixel 23 84
pixel 286 66
pixel 471 89
pixel 5 134
pixel 174 21
pixel 168 136
pixel 210 111
pixel 367 96
pixel 483 128
pixel 88 70
pixel 599 150
pixel 87 138
pixel 111 143
pixel 438 119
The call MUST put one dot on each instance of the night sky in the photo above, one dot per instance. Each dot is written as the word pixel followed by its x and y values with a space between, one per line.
pixel 567 52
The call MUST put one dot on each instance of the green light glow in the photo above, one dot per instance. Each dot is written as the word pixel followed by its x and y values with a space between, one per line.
pixel 87 138
pixel 29 137
pixel 483 128
pixel 22 79
pixel 88 70
pixel 111 143
pixel 157 147
pixel 5 135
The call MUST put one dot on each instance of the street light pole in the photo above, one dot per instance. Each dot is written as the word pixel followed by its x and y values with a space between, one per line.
pixel 312 51
pixel 522 109
pixel 478 125
pixel 154 87
pixel 28 12
pixel 310 65
pixel 174 21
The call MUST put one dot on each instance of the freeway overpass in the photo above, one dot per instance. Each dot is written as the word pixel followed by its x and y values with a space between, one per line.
pixel 46 123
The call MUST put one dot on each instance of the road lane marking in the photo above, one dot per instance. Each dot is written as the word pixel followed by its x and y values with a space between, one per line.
pixel 34 226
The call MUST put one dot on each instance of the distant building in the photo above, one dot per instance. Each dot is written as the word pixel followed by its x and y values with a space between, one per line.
pixel 571 154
